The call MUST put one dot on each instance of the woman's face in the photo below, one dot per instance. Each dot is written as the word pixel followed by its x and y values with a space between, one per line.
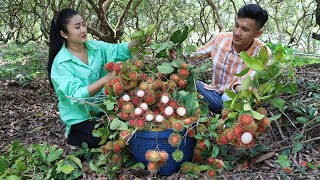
pixel 77 30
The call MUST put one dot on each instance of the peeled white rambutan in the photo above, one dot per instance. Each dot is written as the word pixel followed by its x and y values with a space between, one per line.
pixel 140 93
pixel 168 110
pixel 144 106
pixel 246 138
pixel 165 99
pixel 138 111
pixel 181 111
pixel 159 118
pixel 149 117
pixel 126 98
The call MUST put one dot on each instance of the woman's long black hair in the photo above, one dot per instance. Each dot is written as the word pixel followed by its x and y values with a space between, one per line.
pixel 58 23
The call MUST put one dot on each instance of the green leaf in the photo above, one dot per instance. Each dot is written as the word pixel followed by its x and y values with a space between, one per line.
pixel 232 115
pixel 244 72
pixel 137 166
pixel 283 160
pixel 4 164
pixel 215 151
pixel 297 147
pixel 262 148
pixel 13 177
pixel 247 107
pixel 67 169
pixel 163 69
pixel 204 167
pixel 255 64
pixel 278 102
pixel 21 166
pixel 137 35
pixel 231 94
pixel 275 117
pixel 263 55
pixel 41 150
pixel 256 115
pixel 151 29
pixel 298 137
pixel 301 120
pixel 246 83
pixel 76 160
pixel 54 154
pixel 180 35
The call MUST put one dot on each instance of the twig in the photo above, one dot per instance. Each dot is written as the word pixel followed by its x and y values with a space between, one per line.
pixel 288 119
pixel 309 140
pixel 279 128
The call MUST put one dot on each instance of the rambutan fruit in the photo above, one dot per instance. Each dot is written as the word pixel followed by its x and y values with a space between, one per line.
pixel 149 99
pixel 126 98
pixel 110 83
pixel 224 113
pixel 197 151
pixel 175 78
pixel 186 167
pixel 197 159
pixel 211 160
pixel 132 122
pixel 133 84
pixel 140 123
pixel 245 119
pixel 136 101
pixel 168 111
pixel 140 93
pixel 238 130
pixel 149 116
pixel 181 111
pixel 218 164
pixel 170 85
pixel 104 150
pixel 109 66
pixel 127 107
pixel 138 112
pixel 265 122
pixel 222 139
pixel 262 110
pixel 201 145
pixel 165 98
pixel 139 64
pixel 117 88
pixel 188 120
pixel 184 65
pixel 133 75
pixel 246 137
pixel 163 155
pixel 191 132
pixel 177 155
pixel 123 115
pixel 121 142
pixel 143 77
pixel 125 134
pixel 211 172
pixel 182 83
pixel 115 80
pixel 116 147
pixel 117 68
pixel 184 73
pixel 174 139
pixel 144 106
pixel 173 104
pixel 177 126
pixel 152 156
pixel 143 86
pixel 229 134
pixel 153 167
pixel 116 158
pixel 159 118
pixel 106 91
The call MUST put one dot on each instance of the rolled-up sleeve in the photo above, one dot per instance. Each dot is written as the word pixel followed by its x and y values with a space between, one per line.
pixel 66 84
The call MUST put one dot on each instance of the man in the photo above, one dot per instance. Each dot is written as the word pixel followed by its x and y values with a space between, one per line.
pixel 224 50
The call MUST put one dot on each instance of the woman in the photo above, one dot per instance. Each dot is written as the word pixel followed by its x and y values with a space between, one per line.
pixel 75 69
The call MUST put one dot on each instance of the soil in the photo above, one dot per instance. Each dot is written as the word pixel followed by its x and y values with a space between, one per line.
pixel 30 115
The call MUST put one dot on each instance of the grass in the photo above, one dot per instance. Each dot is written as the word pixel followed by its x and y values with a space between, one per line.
pixel 23 62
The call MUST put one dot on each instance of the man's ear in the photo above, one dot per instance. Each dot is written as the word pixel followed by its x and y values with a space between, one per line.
pixel 259 34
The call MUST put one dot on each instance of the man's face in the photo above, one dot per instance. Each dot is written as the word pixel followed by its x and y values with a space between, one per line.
pixel 244 31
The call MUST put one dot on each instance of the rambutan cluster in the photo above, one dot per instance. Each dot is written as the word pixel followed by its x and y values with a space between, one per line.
pixel 244 131
pixel 156 159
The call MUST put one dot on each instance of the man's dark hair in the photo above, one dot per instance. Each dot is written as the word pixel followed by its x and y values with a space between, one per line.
pixel 254 12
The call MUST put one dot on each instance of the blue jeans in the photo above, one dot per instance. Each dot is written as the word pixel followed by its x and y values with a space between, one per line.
pixel 211 97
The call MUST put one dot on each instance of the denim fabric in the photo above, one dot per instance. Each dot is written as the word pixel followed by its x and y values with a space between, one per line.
pixel 213 98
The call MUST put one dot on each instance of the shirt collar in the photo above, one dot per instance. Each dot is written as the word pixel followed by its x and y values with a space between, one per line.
pixel 66 55
pixel 249 51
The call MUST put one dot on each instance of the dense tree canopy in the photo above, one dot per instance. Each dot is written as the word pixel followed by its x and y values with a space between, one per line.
pixel 292 23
